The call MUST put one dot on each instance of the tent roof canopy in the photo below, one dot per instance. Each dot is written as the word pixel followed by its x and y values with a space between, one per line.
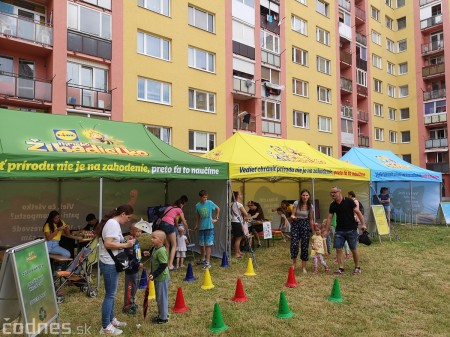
pixel 38 145
pixel 252 157
pixel 386 166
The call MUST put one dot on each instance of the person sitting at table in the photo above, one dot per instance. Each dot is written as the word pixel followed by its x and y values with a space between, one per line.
pixel 53 229
pixel 91 222
pixel 257 218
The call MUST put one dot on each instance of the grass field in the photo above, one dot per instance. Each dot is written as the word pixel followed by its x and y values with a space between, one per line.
pixel 404 290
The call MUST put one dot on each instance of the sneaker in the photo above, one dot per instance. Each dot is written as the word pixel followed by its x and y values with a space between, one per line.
pixel 118 324
pixel 110 330
pixel 201 262
pixel 340 271
pixel 160 321
pixel 357 271
pixel 206 266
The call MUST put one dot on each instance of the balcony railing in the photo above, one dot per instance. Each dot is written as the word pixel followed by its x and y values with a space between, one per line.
pixel 363 116
pixel 438 167
pixel 270 26
pixel 270 58
pixel 89 45
pixel 361 38
pixel 25 29
pixel 436 143
pixel 432 47
pixel 425 2
pixel 433 94
pixel 244 122
pixel 346 111
pixel 88 97
pixel 244 86
pixel 345 4
pixel 432 21
pixel 434 69
pixel 435 119
pixel 361 90
pixel 363 141
pixel 345 57
pixel 26 88
pixel 346 84
pixel 360 14
pixel 271 127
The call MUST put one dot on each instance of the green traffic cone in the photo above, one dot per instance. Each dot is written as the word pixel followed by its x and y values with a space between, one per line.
pixel 217 324
pixel 283 308
pixel 335 292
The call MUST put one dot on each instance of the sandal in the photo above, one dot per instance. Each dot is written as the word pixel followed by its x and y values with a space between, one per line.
pixel 357 271
pixel 340 271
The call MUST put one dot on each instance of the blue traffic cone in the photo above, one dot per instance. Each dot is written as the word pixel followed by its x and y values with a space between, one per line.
pixel 225 261
pixel 143 281
pixel 189 274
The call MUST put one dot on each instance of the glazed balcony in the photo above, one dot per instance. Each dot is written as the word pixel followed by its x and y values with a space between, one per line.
pixel 12 25
pixel 87 97
pixel 347 111
pixel 12 85
pixel 363 141
pixel 436 143
pixel 90 45
pixel 435 119
pixel 426 2
pixel 438 167
pixel 433 70
pixel 432 47
pixel 345 4
pixel 431 21
pixel 361 38
pixel 270 58
pixel 271 127
pixel 270 26
pixel 434 94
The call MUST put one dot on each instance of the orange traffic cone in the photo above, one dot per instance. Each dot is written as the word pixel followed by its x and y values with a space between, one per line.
pixel 239 295
pixel 180 306
pixel 291 281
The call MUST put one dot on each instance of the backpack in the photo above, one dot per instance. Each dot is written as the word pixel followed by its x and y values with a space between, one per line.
pixel 155 214
pixel 361 208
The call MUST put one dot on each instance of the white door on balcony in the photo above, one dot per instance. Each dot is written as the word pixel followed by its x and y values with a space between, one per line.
pixel 87 81
pixel 25 82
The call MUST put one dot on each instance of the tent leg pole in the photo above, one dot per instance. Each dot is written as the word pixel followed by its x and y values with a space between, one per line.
pixel 100 212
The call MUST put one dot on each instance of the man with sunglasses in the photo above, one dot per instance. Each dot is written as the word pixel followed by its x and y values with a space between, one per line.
pixel 346 227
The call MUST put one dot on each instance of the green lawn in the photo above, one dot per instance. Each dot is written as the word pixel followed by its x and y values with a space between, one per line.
pixel 404 290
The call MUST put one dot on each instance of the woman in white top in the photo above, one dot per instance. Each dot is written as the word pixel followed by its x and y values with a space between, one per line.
pixel 238 213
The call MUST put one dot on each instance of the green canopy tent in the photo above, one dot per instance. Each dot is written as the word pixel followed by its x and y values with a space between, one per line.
pixel 79 165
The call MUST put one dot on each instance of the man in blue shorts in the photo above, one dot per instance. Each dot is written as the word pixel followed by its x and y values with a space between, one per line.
pixel 204 221
pixel 346 227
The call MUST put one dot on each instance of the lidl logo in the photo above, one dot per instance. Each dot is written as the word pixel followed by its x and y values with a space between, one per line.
pixel 66 135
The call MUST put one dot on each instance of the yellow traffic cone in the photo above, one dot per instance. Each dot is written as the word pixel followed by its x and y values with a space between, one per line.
pixel 250 271
pixel 207 283
pixel 151 293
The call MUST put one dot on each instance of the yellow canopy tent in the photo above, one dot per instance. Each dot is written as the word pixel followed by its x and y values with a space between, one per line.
pixel 257 159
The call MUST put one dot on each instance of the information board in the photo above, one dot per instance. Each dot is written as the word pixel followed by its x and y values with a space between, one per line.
pixel 27 287
pixel 380 219
pixel 444 213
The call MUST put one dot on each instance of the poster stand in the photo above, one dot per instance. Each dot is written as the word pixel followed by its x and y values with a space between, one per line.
pixel 27 291
pixel 444 213
pixel 380 221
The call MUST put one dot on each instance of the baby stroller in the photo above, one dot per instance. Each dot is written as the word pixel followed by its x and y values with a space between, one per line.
pixel 79 272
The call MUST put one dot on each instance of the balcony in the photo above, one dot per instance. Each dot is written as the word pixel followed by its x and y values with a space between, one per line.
pixel 345 4
pixel 89 45
pixel 361 64
pixel 436 143
pixel 426 2
pixel 244 121
pixel 434 94
pixel 244 86
pixel 88 97
pixel 271 127
pixel 438 167
pixel 363 141
pixel 431 21
pixel 361 91
pixel 347 111
pixel 432 47
pixel 12 25
pixel 363 116
pixel 271 26
pixel 345 57
pixel 433 70
pixel 435 119
pixel 345 31
pixel 270 58
pixel 360 16
pixel 12 85
pixel 361 39
pixel 243 50
pixel 346 84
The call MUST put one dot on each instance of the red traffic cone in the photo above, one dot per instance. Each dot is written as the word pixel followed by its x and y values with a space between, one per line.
pixel 291 281
pixel 180 306
pixel 239 295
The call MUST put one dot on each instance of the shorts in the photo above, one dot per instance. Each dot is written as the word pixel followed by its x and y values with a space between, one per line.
pixel 166 227
pixel 387 208
pixel 258 228
pixel 341 236
pixel 206 237
pixel 181 254
pixel 236 229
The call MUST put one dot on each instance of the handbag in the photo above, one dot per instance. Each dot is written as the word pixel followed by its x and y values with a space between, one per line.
pixel 120 260
pixel 364 238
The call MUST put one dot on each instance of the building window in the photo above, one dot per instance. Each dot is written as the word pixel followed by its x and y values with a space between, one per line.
pixel 375 13
pixel 153 46
pixel 161 132
pixel 402 46
pixel 270 42
pixel 322 36
pixel 300 87
pixel 89 21
pixel 301 119
pixel 392 114
pixel 322 7
pixel 435 107
pixel 392 137
pixel 377 61
pixel 323 94
pixel 390 68
pixel 400 3
pixel 361 77
pixel 377 85
pixel 158 6
pixel 300 56
pixel 154 91
pixel 379 134
pixel 302 2
pixel 403 91
pixel 438 134
pixel 100 3
pixel 243 33
pixel 376 37
pixel 388 2
pixel 390 45
pixel 270 75
pixel 202 100
pixel 299 25
pixel 346 125
pixel 345 18
pixel 378 109
pixel 324 123
pixel 403 68
pixel 323 65
pixel 249 3
pixel 407 158
pixel 401 23
pixel 202 60
pixel 271 110
pixel 404 113
pixel 389 23
pixel 201 141
pixel 391 90
pixel 406 136
pixel 201 19
pixel 328 150
pixel 88 77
